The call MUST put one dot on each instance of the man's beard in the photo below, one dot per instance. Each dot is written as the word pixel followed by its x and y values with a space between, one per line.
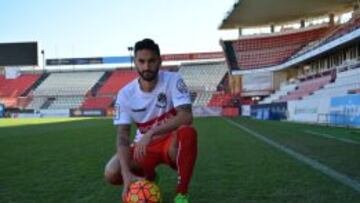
pixel 148 75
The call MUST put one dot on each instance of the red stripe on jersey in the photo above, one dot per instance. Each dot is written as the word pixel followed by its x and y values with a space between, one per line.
pixel 143 127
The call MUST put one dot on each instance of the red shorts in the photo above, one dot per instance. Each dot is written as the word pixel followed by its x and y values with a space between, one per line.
pixel 157 152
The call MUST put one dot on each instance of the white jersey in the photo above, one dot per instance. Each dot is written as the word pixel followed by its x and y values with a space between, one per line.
pixel 149 109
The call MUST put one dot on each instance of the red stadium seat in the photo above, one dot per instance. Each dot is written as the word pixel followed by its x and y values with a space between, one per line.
pixel 12 89
pixel 97 103
pixel 220 99
pixel 273 49
pixel 116 81
pixel 16 87
pixel 306 88
pixel 104 97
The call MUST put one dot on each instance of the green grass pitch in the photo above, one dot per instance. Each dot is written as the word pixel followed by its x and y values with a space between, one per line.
pixel 62 160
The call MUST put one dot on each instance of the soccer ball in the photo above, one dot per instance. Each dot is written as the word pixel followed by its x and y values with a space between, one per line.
pixel 143 191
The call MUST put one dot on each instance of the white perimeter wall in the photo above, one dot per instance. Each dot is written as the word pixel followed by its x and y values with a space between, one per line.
pixel 308 110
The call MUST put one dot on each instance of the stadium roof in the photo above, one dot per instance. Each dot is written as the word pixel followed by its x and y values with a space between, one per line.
pixel 252 13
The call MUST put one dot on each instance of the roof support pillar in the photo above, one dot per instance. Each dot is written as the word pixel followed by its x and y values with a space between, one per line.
pixel 240 31
pixel 272 28
pixel 331 19
pixel 302 23
pixel 356 6
pixel 356 10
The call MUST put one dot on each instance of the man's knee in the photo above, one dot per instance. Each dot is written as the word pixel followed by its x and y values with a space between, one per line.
pixel 112 176
pixel 112 172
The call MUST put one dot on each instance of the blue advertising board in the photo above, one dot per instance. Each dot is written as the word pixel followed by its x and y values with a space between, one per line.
pixel 88 61
pixel 345 110
pixel 116 59
pixel 74 61
pixel 273 111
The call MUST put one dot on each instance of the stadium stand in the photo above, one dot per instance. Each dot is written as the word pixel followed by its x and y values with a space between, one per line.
pixel 100 83
pixel 203 79
pixel 37 102
pixel 283 90
pixel 220 99
pixel 16 87
pixel 345 82
pixel 64 102
pixel 11 89
pixel 334 32
pixel 343 29
pixel 203 76
pixel 230 54
pixel 306 88
pixel 202 98
pixel 316 43
pixel 65 84
pixel 270 49
pixel 97 103
pixel 117 80
pixel 63 90
pixel 103 93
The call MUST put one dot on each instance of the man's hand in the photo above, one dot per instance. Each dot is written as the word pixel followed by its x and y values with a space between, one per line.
pixel 128 178
pixel 140 146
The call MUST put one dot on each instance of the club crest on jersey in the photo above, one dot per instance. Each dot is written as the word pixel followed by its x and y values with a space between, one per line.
pixel 180 85
pixel 161 100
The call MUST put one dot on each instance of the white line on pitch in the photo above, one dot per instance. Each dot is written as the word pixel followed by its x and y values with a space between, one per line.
pixel 332 137
pixel 311 162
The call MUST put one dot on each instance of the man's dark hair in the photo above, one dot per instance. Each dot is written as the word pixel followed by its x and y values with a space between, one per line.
pixel 147 44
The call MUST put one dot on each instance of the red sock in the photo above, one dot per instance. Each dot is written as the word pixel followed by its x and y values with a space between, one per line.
pixel 186 157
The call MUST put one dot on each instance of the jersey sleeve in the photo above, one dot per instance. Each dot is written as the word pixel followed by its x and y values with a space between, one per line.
pixel 180 92
pixel 122 115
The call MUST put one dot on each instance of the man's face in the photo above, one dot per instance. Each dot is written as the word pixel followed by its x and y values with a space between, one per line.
pixel 148 64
